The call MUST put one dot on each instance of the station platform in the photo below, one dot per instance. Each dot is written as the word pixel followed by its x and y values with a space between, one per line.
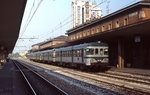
pixel 6 78
pixel 132 70
pixel 10 82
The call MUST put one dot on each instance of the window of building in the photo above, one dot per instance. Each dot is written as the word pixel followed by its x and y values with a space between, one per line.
pixel 103 28
pixel 97 30
pixel 92 31
pixel 125 21
pixel 88 33
pixel 77 36
pixel 142 14
pixel 81 35
pixel 84 34
pixel 74 37
pixel 110 26
pixel 78 8
pixel 71 38
pixel 117 24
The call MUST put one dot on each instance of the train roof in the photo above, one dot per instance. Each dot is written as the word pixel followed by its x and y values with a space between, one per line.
pixel 75 47
pixel 64 48
pixel 82 46
pixel 42 51
pixel 90 44
pixel 45 51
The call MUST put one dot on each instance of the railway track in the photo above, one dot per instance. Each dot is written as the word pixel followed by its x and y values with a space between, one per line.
pixel 38 85
pixel 130 75
pixel 133 79
pixel 137 84
pixel 132 85
pixel 129 82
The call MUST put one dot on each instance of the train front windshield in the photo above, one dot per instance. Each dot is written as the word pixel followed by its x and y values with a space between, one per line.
pixel 89 51
pixel 96 51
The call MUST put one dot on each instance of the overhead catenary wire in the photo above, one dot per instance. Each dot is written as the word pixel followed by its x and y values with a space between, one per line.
pixel 60 25
pixel 29 18
pixel 130 3
pixel 63 23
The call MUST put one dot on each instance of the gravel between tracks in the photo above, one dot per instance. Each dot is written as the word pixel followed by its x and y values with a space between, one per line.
pixel 70 85
pixel 78 86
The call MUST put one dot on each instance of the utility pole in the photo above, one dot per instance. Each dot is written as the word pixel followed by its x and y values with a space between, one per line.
pixel 107 7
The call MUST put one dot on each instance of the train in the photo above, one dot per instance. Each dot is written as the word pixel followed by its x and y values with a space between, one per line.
pixel 80 56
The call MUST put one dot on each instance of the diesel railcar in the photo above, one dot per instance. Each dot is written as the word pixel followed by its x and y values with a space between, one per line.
pixel 83 55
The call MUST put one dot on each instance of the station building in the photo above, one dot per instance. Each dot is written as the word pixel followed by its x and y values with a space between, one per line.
pixel 49 43
pixel 127 32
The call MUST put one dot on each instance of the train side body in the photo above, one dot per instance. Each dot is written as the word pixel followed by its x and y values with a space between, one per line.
pixel 89 54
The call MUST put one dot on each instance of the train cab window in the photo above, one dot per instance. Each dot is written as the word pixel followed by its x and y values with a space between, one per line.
pixel 101 51
pixel 96 51
pixel 89 51
pixel 105 51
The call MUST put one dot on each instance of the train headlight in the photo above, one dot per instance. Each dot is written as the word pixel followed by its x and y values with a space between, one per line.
pixel 98 60
pixel 105 60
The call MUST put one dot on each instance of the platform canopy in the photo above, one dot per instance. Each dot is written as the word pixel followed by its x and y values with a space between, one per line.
pixel 11 13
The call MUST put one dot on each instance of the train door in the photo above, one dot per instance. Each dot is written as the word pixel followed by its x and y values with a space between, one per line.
pixel 72 55
pixel 82 55
pixel 61 55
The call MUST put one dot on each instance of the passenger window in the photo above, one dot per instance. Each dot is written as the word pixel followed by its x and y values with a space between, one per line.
pixel 74 53
pixel 79 53
pixel 105 51
pixel 101 51
pixel 96 51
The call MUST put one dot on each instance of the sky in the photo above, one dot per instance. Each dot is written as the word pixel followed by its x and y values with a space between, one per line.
pixel 46 19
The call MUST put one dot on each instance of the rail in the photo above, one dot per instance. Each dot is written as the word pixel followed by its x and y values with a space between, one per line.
pixel 37 83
